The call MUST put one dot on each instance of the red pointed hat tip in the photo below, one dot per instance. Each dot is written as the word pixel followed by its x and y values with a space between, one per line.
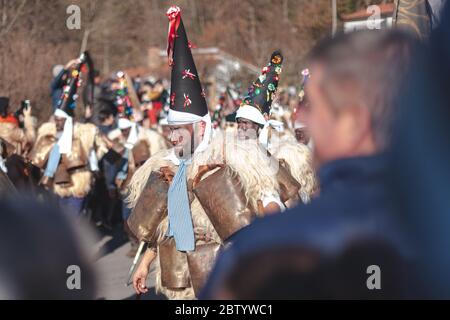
pixel 173 12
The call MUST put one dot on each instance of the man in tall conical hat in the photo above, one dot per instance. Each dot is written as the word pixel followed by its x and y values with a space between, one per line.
pixel 254 115
pixel 67 151
pixel 185 228
pixel 254 112
pixel 300 128
pixel 187 98
pixel 253 118
pixel 132 145
pixel 118 163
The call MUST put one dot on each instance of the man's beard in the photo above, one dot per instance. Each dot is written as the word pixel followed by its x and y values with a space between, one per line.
pixel 185 150
pixel 247 134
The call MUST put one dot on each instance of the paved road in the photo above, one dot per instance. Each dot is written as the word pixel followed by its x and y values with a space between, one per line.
pixel 113 265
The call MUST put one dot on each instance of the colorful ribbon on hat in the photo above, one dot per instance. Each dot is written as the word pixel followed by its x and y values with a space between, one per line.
pixel 174 15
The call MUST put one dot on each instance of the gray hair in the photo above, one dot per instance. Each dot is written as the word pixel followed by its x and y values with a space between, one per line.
pixel 365 68
pixel 57 69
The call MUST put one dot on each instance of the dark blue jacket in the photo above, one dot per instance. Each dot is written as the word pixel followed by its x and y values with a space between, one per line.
pixel 353 203
pixel 56 88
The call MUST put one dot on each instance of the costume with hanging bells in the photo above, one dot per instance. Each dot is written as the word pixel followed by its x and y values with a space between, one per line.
pixel 69 157
pixel 187 208
pixel 295 174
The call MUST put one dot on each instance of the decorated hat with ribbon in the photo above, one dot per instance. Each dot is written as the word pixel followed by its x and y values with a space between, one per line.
pixel 306 75
pixel 187 98
pixel 261 93
pixel 67 101
pixel 122 99
pixel 300 111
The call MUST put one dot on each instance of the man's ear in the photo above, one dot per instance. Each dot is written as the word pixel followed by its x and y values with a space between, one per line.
pixel 358 123
pixel 364 120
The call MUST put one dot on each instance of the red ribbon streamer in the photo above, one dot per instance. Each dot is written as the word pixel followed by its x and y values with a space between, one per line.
pixel 174 15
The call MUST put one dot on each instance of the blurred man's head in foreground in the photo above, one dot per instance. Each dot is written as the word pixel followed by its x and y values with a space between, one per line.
pixel 42 254
pixel 354 80
pixel 307 273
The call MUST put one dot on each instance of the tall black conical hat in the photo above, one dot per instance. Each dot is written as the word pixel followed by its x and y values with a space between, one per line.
pixel 186 95
pixel 122 99
pixel 67 101
pixel 262 92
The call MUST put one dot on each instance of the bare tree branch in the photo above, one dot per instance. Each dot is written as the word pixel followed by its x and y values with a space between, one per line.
pixel 14 18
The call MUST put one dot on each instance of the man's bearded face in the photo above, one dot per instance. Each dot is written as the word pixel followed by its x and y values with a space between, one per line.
pixel 60 123
pixel 125 132
pixel 181 138
pixel 247 129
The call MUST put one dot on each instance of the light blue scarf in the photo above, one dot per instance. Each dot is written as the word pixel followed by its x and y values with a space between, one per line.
pixel 180 221
pixel 53 161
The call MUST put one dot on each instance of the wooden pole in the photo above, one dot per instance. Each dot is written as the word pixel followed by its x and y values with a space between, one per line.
pixel 334 17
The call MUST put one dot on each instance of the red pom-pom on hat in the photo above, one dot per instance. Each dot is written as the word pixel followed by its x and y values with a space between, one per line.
pixel 173 12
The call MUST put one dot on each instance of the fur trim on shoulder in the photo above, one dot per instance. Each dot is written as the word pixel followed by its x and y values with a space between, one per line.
pixel 86 132
pixel 47 128
pixel 140 177
pixel 299 159
pixel 81 185
pixel 155 140
pixel 248 159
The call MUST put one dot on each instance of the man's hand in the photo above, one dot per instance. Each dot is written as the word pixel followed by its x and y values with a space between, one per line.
pixel 27 112
pixel 119 183
pixel 141 273
pixel 88 112
pixel 71 63
pixel 46 182
pixel 25 117
pixel 140 279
